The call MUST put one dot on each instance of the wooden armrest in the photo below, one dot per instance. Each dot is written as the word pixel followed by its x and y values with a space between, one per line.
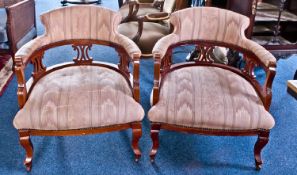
pixel 264 56
pixel 20 20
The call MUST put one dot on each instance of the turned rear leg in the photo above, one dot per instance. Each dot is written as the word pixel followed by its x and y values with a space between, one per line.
pixel 136 134
pixel 27 145
pixel 263 139
pixel 155 129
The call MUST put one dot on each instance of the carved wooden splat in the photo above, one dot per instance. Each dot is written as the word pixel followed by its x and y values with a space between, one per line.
pixel 205 53
pixel 39 68
pixel 82 54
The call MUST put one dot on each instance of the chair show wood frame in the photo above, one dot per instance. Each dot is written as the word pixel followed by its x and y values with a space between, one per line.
pixel 81 46
pixel 163 66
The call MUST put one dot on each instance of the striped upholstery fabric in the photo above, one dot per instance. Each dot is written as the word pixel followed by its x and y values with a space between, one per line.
pixel 79 22
pixel 211 24
pixel 201 97
pixel 88 97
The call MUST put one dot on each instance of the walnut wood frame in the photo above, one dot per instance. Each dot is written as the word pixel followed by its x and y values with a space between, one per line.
pixel 20 20
pixel 81 46
pixel 163 66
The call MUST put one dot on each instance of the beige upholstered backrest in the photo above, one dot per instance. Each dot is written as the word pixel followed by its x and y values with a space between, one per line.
pixel 211 24
pixel 81 22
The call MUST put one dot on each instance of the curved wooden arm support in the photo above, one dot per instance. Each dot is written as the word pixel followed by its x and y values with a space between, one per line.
pixel 21 80
pixel 267 87
pixel 156 87
pixel 136 66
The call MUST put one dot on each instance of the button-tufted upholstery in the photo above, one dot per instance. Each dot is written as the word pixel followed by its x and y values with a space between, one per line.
pixel 201 97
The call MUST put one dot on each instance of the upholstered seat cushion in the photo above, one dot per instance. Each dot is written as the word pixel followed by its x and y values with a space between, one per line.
pixel 79 97
pixel 143 10
pixel 151 33
pixel 210 98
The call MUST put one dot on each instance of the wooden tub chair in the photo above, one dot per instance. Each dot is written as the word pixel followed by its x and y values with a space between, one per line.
pixel 83 96
pixel 203 97
pixel 146 23
pixel 131 9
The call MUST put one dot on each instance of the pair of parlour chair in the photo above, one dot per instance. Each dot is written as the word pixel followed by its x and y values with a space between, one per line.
pixel 199 97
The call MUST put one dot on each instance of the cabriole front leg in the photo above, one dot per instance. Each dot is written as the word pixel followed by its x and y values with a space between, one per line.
pixel 155 129
pixel 263 138
pixel 27 145
pixel 136 135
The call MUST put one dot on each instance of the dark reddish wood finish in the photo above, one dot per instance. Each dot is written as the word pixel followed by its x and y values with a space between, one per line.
pixel 26 143
pixel 163 66
pixel 83 58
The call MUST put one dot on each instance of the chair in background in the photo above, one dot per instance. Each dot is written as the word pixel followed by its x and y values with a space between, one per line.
pixel 131 9
pixel 146 23
pixel 204 97
pixel 83 96
pixel 17 24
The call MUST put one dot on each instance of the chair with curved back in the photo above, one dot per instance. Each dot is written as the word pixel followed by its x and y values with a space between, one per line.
pixel 204 97
pixel 83 96
pixel 146 23
pixel 133 8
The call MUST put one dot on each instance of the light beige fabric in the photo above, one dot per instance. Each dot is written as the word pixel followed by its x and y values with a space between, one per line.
pixel 79 22
pixel 201 97
pixel 79 97
pixel 151 33
pixel 211 24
